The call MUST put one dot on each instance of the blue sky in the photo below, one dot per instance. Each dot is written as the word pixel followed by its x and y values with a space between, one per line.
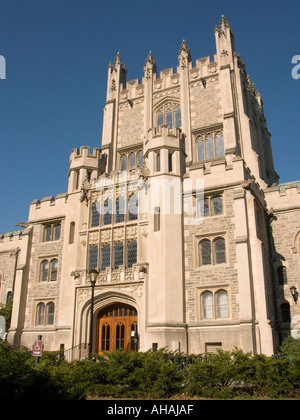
pixel 57 54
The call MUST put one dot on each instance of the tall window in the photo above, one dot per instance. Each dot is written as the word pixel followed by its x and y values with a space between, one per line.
pixel 281 273
pixel 207 305
pixel 123 163
pixel 156 219
pixel 95 214
pixel 72 233
pixel 205 252
pixel 219 249
pixel 44 270
pixel 93 262
pixel 209 146
pixel 222 304
pixel 140 159
pixel 105 257
pixel 50 313
pixel 158 162
pixel 107 212
pixel 131 160
pixel 53 269
pixel 285 312
pixel 118 251
pixel 131 253
pixel 133 207
pixel 40 314
pixel 120 209
pixel 169 114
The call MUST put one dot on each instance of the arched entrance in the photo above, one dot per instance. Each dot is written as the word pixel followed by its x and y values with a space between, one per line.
pixel 117 328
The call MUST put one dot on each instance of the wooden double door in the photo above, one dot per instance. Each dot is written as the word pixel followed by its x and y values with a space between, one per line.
pixel 117 328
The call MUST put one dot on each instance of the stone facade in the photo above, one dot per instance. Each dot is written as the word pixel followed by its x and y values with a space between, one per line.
pixel 194 263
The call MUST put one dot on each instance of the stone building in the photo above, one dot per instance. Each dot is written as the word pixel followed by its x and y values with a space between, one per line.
pixel 195 242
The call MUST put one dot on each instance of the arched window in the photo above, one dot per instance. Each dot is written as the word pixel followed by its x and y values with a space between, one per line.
pixel 140 159
pixel 281 273
pixel 285 312
pixel 169 114
pixel 209 142
pixel 207 305
pixel 120 209
pixel 156 219
pixel 50 313
pixel 131 253
pixel 72 233
pixel 123 163
pixel 222 304
pixel 53 270
pixel 131 160
pixel 44 270
pixel 118 251
pixel 133 207
pixel 95 214
pixel 107 211
pixel 40 314
pixel 93 261
pixel 219 144
pixel 158 162
pixel 105 257
pixel 200 149
pixel 205 252
pixel 209 146
pixel 219 251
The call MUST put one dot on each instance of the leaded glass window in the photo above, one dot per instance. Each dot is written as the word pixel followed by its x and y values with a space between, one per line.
pixel 93 263
pixel 219 144
pixel 40 314
pixel 222 304
pixel 118 255
pixel 44 270
pixel 53 270
pixel 209 146
pixel 133 207
pixel 217 205
pixel 219 249
pixel 95 215
pixel 47 233
pixel 205 252
pixel 207 305
pixel 105 260
pixel 50 313
pixel 131 253
pixel 140 159
pixel 123 163
pixel 200 149
pixel 120 209
pixel 131 159
pixel 169 114
pixel 210 153
pixel 56 229
pixel 107 212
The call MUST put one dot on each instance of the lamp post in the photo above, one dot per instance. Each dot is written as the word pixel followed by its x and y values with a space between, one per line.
pixel 93 278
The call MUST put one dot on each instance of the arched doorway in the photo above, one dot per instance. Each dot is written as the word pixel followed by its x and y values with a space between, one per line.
pixel 117 328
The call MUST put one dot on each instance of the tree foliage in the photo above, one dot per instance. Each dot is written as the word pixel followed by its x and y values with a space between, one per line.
pixel 160 374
